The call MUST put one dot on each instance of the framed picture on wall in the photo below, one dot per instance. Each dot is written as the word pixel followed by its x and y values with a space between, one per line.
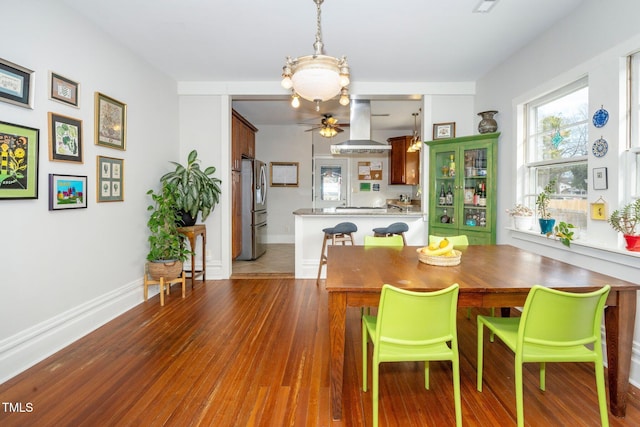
pixel 67 192
pixel 16 84
pixel 65 139
pixel 600 179
pixel 109 179
pixel 18 161
pixel 284 174
pixel 110 122
pixel 64 90
pixel 444 130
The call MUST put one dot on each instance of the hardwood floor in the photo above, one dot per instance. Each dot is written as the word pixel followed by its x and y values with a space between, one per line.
pixel 255 353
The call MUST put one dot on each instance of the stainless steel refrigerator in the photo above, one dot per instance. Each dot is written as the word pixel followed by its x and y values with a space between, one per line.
pixel 254 209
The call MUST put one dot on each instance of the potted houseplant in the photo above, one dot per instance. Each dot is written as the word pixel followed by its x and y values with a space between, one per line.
pixel 195 189
pixel 167 248
pixel 542 205
pixel 522 217
pixel 626 220
pixel 564 232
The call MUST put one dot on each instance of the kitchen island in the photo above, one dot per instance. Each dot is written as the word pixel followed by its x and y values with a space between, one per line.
pixel 310 222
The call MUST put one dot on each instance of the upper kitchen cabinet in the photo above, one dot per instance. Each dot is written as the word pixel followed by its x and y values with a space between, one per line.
pixel 243 140
pixel 462 187
pixel 404 167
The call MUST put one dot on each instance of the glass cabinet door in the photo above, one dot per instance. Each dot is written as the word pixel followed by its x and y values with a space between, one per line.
pixel 445 187
pixel 474 187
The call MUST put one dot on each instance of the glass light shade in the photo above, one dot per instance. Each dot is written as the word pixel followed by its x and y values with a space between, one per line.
pixel 316 78
pixel 295 101
pixel 286 82
pixel 328 132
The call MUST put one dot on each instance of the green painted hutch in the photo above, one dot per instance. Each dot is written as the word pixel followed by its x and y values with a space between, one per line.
pixel 463 201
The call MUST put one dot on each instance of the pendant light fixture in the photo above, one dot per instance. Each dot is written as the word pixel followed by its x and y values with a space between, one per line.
pixel 316 77
pixel 416 144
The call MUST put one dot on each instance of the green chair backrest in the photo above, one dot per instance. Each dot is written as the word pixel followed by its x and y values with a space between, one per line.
pixel 395 240
pixel 458 241
pixel 562 319
pixel 417 318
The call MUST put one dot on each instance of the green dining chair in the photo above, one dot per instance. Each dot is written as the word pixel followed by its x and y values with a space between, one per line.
pixel 395 240
pixel 412 327
pixel 458 241
pixel 371 241
pixel 555 326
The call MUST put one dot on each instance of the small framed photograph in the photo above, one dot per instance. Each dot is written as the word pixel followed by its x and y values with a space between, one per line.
pixel 16 84
pixel 18 161
pixel 64 90
pixel 600 179
pixel 67 192
pixel 444 130
pixel 110 122
pixel 65 139
pixel 110 179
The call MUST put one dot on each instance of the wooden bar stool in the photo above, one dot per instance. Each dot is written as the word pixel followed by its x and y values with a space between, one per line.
pixel 395 228
pixel 341 233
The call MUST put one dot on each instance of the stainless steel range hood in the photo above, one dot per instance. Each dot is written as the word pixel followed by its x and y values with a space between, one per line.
pixel 360 132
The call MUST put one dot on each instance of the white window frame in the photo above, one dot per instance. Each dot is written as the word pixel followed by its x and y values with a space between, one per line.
pixel 633 141
pixel 530 167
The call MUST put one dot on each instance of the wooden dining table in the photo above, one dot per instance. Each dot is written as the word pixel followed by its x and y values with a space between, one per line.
pixel 489 276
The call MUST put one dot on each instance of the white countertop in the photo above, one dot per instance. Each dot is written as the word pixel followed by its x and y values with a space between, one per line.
pixel 390 212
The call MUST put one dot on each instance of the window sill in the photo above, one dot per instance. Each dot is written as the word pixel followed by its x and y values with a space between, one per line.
pixel 584 247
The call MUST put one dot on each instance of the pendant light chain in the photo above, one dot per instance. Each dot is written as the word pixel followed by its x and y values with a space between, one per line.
pixel 318 45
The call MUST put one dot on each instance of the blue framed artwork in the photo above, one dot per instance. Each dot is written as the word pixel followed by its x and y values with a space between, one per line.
pixel 67 192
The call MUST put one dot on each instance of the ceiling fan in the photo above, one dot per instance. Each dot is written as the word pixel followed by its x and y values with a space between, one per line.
pixel 328 126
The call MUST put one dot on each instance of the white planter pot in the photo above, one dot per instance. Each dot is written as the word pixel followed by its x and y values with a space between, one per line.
pixel 523 222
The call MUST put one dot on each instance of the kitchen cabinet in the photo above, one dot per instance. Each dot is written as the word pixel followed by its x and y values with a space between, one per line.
pixel 236 209
pixel 243 143
pixel 404 167
pixel 470 190
pixel 243 140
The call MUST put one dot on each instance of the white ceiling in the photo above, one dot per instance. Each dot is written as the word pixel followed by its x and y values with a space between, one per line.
pixel 384 41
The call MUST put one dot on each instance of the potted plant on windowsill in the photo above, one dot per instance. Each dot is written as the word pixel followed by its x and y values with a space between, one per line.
pixel 542 205
pixel 626 220
pixel 195 189
pixel 167 248
pixel 522 217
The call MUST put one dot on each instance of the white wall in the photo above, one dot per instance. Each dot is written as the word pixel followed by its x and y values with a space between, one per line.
pixel 66 272
pixel 285 144
pixel 563 54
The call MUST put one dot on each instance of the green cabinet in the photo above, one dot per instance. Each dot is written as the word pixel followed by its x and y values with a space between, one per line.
pixel 464 201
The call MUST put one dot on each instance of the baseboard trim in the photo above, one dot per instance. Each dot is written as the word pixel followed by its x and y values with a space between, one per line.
pixel 30 346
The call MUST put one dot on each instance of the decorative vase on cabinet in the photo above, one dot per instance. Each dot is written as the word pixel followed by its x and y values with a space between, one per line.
pixel 464 202
pixel 488 124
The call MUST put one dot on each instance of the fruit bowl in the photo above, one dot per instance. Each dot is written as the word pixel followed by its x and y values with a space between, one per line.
pixel 442 260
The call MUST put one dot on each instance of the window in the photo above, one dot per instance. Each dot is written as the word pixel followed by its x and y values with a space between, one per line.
pixel 634 123
pixel 556 148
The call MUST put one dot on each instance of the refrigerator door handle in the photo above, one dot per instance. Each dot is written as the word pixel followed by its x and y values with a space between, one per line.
pixel 263 184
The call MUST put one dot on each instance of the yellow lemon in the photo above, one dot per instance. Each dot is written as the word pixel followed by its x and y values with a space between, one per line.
pixel 444 243
pixel 433 246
